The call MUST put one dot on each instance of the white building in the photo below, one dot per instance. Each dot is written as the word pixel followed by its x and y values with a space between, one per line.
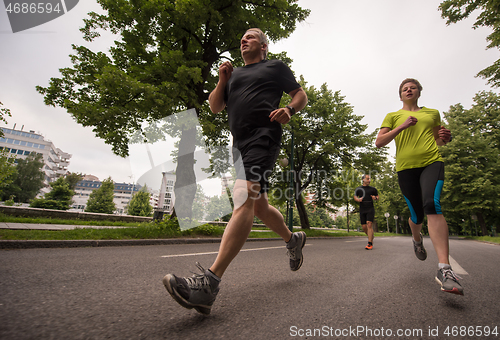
pixel 21 144
pixel 169 197
pixel 122 194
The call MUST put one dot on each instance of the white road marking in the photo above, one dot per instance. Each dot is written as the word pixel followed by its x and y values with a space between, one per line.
pixel 456 267
pixel 216 252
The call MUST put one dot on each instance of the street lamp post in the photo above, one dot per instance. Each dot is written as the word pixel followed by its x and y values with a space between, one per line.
pixel 292 183
pixel 387 218
pixel 158 213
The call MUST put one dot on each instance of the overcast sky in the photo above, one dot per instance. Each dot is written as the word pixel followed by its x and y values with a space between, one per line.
pixel 364 48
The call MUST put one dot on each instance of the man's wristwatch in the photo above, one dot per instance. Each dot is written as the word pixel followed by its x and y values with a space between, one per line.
pixel 291 108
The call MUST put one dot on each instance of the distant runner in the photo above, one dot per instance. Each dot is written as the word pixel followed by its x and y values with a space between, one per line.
pixel 365 195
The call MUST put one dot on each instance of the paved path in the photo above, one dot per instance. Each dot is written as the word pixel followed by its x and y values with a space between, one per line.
pixel 34 226
pixel 342 291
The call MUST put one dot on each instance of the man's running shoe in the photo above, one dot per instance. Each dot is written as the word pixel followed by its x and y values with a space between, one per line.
pixel 369 246
pixel 193 292
pixel 294 249
pixel 449 281
pixel 419 248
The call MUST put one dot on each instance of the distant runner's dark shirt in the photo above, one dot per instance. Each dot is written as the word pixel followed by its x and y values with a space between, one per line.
pixel 366 192
pixel 251 94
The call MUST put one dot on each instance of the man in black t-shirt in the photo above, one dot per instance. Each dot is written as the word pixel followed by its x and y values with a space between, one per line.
pixel 252 94
pixel 365 195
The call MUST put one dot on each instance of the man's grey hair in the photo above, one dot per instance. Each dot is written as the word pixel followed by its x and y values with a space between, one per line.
pixel 262 38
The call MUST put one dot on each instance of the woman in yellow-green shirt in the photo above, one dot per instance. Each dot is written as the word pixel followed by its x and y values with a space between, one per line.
pixel 417 132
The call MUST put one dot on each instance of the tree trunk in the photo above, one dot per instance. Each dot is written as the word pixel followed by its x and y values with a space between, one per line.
pixel 185 183
pixel 482 223
pixel 301 208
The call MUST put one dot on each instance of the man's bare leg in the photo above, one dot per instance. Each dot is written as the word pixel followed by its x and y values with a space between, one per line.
pixel 239 226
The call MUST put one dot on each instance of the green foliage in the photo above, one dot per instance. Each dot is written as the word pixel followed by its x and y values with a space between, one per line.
pixel 472 182
pixel 72 179
pixel 327 137
pixel 199 204
pixel 7 169
pixel 48 204
pixel 49 220
pixel 208 230
pixel 10 202
pixel 59 198
pixel 27 179
pixel 101 199
pixel 391 200
pixel 4 112
pixel 489 16
pixel 217 207
pixel 164 60
pixel 140 204
pixel 319 217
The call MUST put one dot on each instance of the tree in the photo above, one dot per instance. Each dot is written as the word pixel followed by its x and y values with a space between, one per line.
pixel 72 179
pixel 101 199
pixel 27 180
pixel 327 137
pixel 341 188
pixel 391 200
pixel 164 61
pixel 199 204
pixel 472 183
pixel 140 204
pixel 457 10
pixel 4 112
pixel 59 198
pixel 7 169
pixel 319 217
pixel 217 207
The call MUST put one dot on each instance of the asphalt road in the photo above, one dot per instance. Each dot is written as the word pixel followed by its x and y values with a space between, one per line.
pixel 342 291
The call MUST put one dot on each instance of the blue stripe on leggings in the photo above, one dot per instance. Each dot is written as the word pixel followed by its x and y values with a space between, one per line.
pixel 437 195
pixel 412 211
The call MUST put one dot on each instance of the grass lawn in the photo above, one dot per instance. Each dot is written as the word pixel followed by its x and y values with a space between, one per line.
pixel 153 230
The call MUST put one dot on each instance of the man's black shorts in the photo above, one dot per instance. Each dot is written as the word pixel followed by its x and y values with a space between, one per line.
pixel 258 160
pixel 366 215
